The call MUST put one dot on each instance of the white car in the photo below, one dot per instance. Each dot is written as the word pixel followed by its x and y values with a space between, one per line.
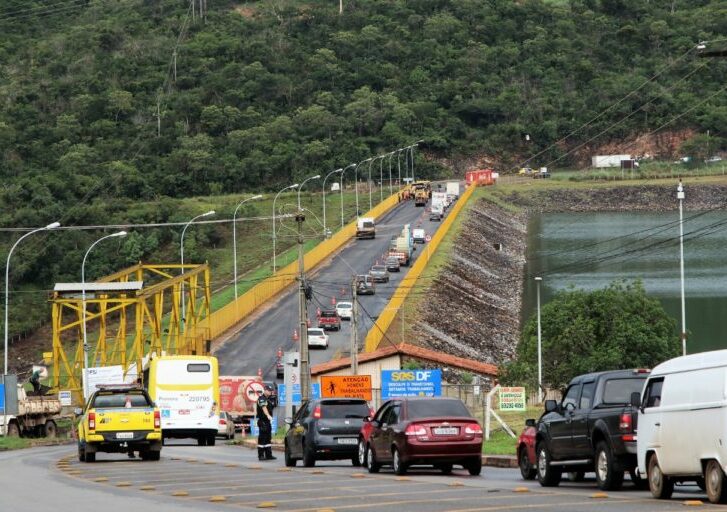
pixel 317 338
pixel 226 426
pixel 345 310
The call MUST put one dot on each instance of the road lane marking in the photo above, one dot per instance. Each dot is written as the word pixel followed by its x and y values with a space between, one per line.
pixel 538 506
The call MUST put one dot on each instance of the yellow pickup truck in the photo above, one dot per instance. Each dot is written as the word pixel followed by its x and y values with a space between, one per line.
pixel 119 419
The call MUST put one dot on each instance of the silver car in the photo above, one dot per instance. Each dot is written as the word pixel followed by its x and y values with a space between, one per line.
pixel 226 426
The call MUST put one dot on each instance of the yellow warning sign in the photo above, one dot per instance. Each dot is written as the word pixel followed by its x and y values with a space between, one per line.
pixel 346 386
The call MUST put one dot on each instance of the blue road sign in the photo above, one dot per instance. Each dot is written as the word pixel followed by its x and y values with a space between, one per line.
pixel 282 393
pixel 398 383
pixel 2 398
pixel 255 431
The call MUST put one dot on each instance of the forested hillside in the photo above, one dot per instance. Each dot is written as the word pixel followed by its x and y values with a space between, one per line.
pixel 103 102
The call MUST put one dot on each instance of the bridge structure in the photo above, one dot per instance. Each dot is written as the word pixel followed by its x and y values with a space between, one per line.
pixel 129 315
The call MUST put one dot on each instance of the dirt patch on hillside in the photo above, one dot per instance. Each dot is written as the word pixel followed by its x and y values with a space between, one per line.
pixel 473 307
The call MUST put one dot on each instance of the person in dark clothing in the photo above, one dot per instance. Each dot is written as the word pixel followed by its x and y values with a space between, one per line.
pixel 264 408
pixel 35 381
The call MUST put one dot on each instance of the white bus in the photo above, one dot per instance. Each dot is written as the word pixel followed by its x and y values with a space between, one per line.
pixel 186 390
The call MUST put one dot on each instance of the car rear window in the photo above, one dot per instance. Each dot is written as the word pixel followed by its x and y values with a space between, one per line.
pixel 427 408
pixel 345 409
pixel 120 400
pixel 328 314
pixel 315 332
pixel 378 268
pixel 618 391
pixel 344 305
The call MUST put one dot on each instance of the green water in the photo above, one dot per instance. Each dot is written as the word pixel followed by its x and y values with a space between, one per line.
pixel 590 250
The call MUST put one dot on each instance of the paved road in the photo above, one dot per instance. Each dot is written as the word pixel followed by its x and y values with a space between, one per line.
pixel 255 346
pixel 41 479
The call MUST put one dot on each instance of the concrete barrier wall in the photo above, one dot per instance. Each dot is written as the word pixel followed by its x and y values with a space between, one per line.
pixel 377 332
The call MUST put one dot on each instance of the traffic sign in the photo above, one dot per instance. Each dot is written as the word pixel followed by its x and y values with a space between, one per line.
pixel 428 238
pixel 255 431
pixel 254 388
pixel 346 386
pixel 283 394
pixel 398 383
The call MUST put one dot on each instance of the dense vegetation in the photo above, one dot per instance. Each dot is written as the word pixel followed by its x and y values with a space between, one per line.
pixel 582 332
pixel 267 92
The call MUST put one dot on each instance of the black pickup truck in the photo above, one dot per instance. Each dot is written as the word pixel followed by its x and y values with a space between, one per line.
pixel 592 429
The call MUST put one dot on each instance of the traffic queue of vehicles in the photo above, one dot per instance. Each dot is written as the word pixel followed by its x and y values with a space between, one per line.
pixel 404 432
pixel 662 427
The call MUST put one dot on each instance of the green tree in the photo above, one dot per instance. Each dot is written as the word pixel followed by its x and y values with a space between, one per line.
pixel 619 326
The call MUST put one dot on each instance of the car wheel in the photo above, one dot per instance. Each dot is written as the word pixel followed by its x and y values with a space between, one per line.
pixel 289 460
pixel 715 483
pixel 155 455
pixel 362 452
pixel 371 463
pixel 49 429
pixel 201 440
pixel 309 457
pixel 660 485
pixel 548 476
pixel 90 457
pixel 607 476
pixel 211 439
pixel 527 470
pixel 13 430
pixel 81 454
pixel 398 465
pixel 475 467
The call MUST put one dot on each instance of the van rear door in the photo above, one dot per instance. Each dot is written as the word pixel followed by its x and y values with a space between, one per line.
pixel 649 433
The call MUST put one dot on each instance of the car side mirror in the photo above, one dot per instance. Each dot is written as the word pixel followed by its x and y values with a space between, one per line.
pixel 551 406
pixel 570 407
pixel 636 399
pixel 367 419
pixel 530 422
pixel 78 411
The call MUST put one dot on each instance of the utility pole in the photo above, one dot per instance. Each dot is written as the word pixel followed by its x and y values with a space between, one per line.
pixel 354 328
pixel 174 58
pixel 303 314
pixel 159 118
pixel 192 2
pixel 340 6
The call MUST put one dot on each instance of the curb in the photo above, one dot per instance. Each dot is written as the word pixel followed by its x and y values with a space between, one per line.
pixel 494 461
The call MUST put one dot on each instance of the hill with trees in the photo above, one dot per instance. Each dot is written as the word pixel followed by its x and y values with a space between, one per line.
pixel 104 103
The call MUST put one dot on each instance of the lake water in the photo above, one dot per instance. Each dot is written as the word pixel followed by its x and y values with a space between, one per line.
pixel 591 250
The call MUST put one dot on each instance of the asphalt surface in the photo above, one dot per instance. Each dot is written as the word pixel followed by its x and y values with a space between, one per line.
pixel 226 476
pixel 256 345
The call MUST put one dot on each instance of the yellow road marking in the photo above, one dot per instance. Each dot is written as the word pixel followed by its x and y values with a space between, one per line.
pixel 599 495
pixel 123 484
pixel 266 504
pixel 216 499
pixel 693 503
pixel 180 493
pixel 147 488
pixel 101 479
pixel 521 489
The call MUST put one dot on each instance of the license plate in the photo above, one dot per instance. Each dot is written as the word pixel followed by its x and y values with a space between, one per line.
pixel 446 431
pixel 347 440
pixel 124 435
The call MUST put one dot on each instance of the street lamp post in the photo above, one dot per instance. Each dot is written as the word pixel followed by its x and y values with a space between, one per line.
pixel 355 180
pixel 317 176
pixel 538 280
pixel 412 157
pixel 371 161
pixel 83 308
pixel 275 263
pixel 234 235
pixel 54 225
pixel 325 231
pixel 381 178
pixel 342 173
pixel 181 253
pixel 391 187
pixel 680 197
pixel 398 163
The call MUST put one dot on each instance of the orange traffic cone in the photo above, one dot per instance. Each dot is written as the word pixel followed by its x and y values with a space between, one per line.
pixel 318 312
pixel 333 301
pixel 280 352
pixel 259 372
pixel 295 335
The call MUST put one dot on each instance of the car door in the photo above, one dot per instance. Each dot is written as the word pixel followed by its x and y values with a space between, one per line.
pixel 560 423
pixel 649 425
pixel 388 431
pixel 580 447
pixel 376 430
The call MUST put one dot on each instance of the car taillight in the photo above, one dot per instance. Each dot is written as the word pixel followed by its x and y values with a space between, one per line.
pixel 372 412
pixel 624 423
pixel 473 429
pixel 415 430
pixel 223 422
pixel 317 412
pixel 92 421
pixel 157 419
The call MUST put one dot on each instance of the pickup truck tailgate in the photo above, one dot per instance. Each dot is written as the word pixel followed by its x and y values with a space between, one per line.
pixel 115 420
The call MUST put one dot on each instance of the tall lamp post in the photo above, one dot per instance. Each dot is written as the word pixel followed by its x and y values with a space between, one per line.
pixel 342 173
pixel 181 253
pixel 412 156
pixel 381 178
pixel 83 307
pixel 234 235
pixel 355 180
pixel 398 163
pixel 371 161
pixel 538 280
pixel 680 197
pixel 325 231
pixel 54 225
pixel 275 262
pixel 317 176
pixel 391 187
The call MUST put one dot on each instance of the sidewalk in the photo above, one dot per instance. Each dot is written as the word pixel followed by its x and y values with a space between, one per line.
pixel 495 461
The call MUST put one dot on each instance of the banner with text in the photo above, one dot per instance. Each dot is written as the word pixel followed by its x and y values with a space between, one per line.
pixel 399 383
pixel 512 399
pixel 346 386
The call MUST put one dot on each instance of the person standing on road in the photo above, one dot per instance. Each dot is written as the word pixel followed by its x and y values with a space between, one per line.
pixel 265 406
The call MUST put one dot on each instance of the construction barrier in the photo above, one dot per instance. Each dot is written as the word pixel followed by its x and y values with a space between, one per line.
pixel 227 316
pixel 377 333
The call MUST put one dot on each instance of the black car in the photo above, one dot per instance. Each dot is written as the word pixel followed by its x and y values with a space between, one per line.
pixel 392 264
pixel 325 429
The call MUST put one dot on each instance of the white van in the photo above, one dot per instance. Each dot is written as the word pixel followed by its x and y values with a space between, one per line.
pixel 682 426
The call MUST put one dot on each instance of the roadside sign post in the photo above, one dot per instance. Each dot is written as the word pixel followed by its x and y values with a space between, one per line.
pixel 291 377
pixel 401 383
pixel 346 386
